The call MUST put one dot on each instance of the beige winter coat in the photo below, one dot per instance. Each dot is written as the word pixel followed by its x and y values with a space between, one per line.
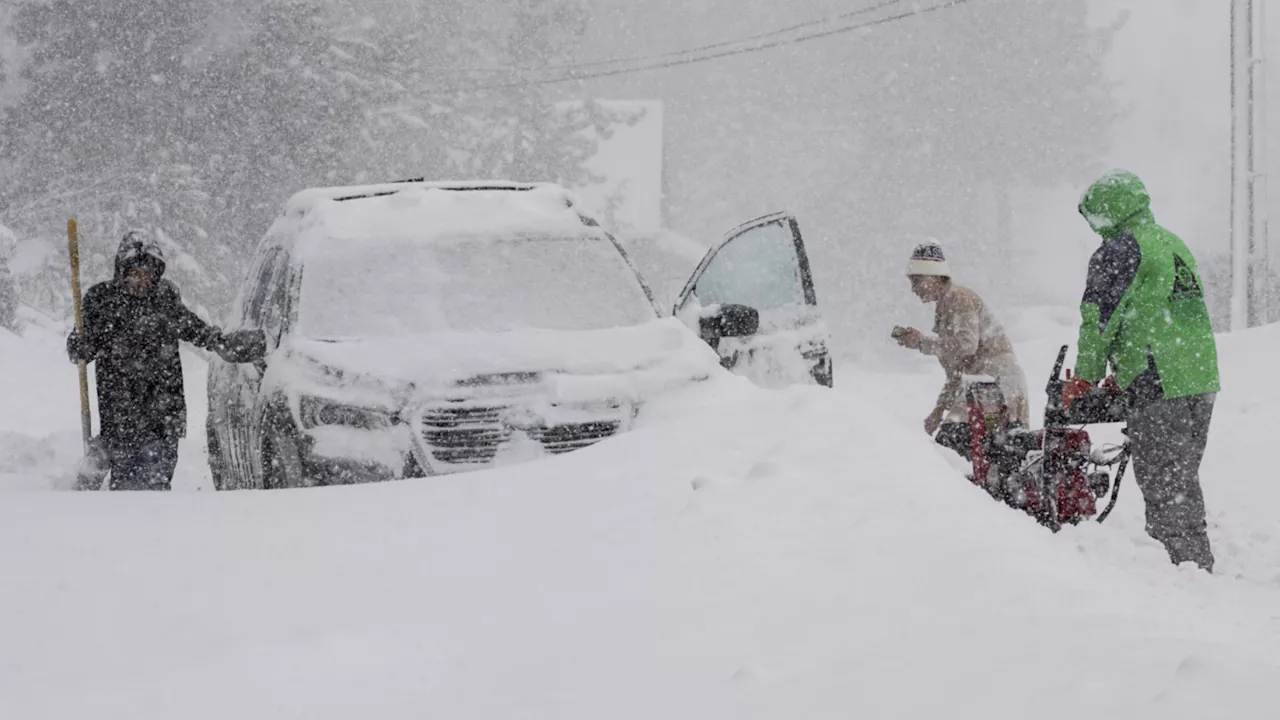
pixel 969 340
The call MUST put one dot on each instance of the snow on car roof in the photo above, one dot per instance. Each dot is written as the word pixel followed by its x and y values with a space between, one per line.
pixel 305 199
pixel 344 218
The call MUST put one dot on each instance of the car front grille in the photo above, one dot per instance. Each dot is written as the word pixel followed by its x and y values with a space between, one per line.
pixel 472 435
pixel 564 438
pixel 464 434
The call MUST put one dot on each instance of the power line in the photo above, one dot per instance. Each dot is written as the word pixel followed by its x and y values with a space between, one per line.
pixel 685 51
pixel 571 77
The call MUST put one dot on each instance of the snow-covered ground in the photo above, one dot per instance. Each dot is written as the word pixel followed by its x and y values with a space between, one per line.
pixel 755 554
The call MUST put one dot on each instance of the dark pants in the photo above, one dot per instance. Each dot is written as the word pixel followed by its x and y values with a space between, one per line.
pixel 1168 439
pixel 146 466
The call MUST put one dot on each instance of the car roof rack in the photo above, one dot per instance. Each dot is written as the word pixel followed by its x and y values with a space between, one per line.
pixel 302 201
pixel 484 186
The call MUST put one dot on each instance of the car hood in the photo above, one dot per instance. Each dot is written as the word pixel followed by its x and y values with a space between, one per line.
pixel 657 352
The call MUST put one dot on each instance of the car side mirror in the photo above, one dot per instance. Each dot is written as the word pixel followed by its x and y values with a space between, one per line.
pixel 730 320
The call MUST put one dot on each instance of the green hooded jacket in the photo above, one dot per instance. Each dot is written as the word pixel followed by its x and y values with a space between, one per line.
pixel 1143 310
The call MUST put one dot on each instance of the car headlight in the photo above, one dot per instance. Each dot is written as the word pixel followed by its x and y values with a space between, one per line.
pixel 319 412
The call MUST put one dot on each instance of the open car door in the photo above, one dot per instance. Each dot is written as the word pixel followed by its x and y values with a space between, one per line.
pixel 752 299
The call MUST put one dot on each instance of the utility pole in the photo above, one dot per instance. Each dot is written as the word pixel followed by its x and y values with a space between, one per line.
pixel 1249 273
pixel 1260 250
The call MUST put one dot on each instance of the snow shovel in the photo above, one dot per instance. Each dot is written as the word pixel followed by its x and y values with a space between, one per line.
pixel 94 466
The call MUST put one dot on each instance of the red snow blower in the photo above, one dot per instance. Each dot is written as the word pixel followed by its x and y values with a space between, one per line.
pixel 1053 474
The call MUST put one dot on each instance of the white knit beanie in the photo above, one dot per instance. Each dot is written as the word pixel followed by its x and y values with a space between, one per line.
pixel 928 259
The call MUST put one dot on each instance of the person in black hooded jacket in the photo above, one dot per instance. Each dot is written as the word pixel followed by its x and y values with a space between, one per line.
pixel 132 325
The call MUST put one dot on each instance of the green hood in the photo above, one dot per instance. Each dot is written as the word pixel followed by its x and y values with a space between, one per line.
pixel 1116 203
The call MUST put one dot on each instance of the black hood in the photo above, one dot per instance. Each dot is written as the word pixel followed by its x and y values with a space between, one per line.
pixel 138 249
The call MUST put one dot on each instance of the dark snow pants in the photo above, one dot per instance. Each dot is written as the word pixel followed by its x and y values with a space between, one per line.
pixel 1168 439
pixel 148 466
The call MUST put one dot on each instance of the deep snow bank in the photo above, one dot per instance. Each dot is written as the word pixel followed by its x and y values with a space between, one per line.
pixel 39 408
pixel 749 555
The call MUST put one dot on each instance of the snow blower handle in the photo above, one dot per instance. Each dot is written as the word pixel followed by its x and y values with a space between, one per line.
pixel 1115 486
pixel 86 417
pixel 1103 404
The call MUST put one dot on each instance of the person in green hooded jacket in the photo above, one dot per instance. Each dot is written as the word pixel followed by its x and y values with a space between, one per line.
pixel 1144 314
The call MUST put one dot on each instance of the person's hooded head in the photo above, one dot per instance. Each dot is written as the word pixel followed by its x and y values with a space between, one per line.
pixel 139 262
pixel 928 271
pixel 1115 204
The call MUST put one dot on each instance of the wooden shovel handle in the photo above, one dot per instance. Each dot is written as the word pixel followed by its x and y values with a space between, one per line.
pixel 86 417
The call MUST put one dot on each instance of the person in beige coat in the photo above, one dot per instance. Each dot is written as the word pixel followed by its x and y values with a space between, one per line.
pixel 967 339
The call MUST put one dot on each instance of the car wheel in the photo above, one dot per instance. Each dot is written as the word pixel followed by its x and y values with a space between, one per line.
pixel 281 462
pixel 216 466
pixel 821 371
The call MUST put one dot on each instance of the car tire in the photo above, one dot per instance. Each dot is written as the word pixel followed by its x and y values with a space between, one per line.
pixel 822 371
pixel 282 462
pixel 216 467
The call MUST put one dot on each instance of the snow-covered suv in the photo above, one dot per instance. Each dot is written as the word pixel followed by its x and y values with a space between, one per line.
pixel 421 328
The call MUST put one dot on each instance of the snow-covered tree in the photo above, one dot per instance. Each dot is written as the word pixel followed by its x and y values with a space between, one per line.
pixel 522 136
pixel 102 133
pixel 459 93
pixel 197 118
pixel 8 291
pixel 278 108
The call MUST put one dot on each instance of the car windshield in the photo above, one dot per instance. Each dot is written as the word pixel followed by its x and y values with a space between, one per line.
pixel 486 285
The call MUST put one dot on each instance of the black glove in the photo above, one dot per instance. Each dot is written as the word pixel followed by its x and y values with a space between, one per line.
pixel 210 337
pixel 242 346
pixel 78 350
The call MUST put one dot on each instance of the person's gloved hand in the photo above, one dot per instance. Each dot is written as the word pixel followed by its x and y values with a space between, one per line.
pixel 210 337
pixel 1073 389
pixel 77 349
pixel 909 338
pixel 242 346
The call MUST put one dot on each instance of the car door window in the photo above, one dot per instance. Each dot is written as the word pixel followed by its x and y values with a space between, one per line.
pixel 761 265
pixel 274 306
pixel 260 290
pixel 758 268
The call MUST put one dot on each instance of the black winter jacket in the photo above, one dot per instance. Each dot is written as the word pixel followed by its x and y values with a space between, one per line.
pixel 134 341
